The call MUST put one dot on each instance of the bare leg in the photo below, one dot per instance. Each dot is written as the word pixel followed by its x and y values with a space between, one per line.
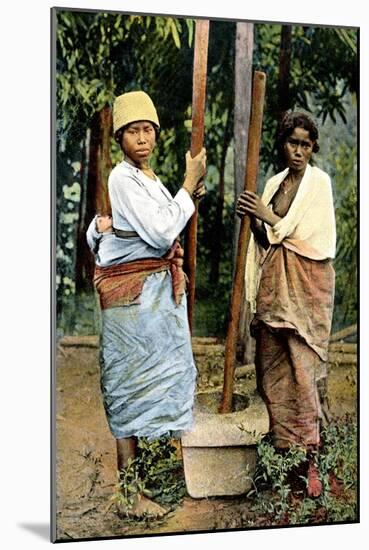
pixel 322 386
pixel 314 485
pixel 126 449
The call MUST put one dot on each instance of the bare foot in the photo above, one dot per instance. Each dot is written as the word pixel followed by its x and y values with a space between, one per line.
pixel 314 485
pixel 141 508
pixel 336 486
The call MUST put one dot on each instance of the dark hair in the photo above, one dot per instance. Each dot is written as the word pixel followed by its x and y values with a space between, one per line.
pixel 119 133
pixel 296 120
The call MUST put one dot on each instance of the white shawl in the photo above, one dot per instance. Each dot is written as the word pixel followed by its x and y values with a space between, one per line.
pixel 308 228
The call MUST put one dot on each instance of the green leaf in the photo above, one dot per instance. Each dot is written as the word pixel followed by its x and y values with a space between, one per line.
pixel 346 38
pixel 190 27
pixel 175 35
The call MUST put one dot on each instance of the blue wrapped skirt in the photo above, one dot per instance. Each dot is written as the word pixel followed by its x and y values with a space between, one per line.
pixel 148 374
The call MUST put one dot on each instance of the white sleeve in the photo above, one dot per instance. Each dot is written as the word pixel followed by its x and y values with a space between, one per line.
pixel 93 236
pixel 157 224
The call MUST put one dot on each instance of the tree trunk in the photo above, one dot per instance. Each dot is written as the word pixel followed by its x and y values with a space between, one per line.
pixel 96 199
pixel 243 83
pixel 218 227
pixel 82 252
pixel 104 161
pixel 284 94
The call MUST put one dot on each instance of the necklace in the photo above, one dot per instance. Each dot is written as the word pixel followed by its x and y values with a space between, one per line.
pixel 290 184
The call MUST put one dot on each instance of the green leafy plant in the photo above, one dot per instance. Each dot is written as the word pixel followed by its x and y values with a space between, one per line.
pixel 155 472
pixel 273 470
pixel 161 470
pixel 338 459
pixel 276 500
pixel 129 486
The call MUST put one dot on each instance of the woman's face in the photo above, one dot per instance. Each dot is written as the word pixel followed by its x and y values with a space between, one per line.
pixel 138 141
pixel 298 149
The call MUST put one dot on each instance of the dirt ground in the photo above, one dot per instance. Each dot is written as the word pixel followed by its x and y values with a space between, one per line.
pixel 86 459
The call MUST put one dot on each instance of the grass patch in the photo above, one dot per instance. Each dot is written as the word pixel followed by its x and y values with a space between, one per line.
pixel 275 501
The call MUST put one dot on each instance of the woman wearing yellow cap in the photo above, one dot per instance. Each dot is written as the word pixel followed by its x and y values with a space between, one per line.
pixel 148 373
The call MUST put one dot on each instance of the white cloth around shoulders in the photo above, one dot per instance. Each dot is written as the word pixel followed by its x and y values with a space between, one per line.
pixel 309 227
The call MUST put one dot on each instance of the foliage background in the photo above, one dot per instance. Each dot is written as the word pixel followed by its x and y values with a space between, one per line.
pixel 100 55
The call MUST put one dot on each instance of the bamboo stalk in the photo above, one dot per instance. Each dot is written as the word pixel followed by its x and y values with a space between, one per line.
pixel 205 340
pixel 253 148
pixel 342 347
pixel 204 344
pixel 344 333
pixel 201 350
pixel 197 142
pixel 342 358
pixel 79 341
pixel 240 372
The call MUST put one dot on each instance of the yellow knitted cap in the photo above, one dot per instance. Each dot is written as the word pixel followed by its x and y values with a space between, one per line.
pixel 131 107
